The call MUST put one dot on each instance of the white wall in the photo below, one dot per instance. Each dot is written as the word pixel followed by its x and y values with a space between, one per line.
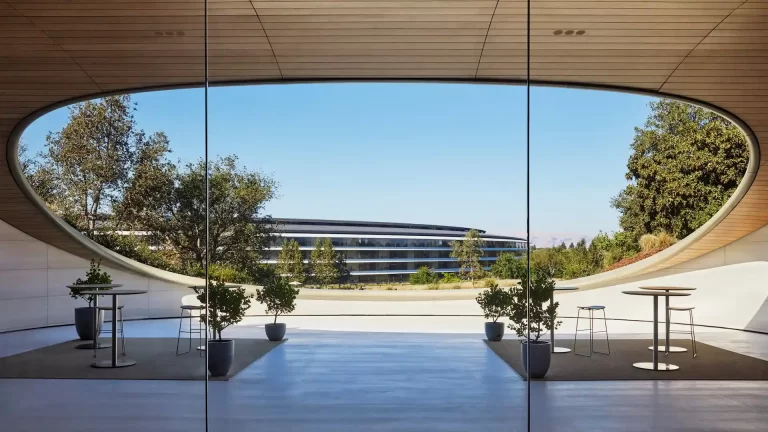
pixel 732 290
pixel 33 279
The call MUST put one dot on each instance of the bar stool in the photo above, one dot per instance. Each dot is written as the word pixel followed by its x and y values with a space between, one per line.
pixel 199 332
pixel 591 310
pixel 690 331
pixel 108 329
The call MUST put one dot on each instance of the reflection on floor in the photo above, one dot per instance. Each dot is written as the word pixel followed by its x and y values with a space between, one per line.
pixel 350 381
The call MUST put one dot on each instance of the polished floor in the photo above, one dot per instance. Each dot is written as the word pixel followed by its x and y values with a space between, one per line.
pixel 375 381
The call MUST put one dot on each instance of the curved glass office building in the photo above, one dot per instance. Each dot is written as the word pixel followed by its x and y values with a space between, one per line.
pixel 386 251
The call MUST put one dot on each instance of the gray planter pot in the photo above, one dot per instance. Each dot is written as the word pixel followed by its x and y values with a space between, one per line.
pixel 221 354
pixel 494 331
pixel 275 332
pixel 84 322
pixel 541 357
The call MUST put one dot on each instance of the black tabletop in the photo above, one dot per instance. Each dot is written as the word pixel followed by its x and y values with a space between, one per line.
pixel 668 288
pixel 86 286
pixel 115 292
pixel 657 293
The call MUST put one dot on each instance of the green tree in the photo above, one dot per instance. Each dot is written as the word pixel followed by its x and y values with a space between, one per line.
pixel 686 162
pixel 90 161
pixel 323 261
pixel 239 231
pixel 290 263
pixel 226 306
pixel 423 276
pixel 508 266
pixel 277 296
pixel 468 252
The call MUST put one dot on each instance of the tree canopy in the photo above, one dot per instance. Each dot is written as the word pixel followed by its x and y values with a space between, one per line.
pixel 686 162
pixel 468 252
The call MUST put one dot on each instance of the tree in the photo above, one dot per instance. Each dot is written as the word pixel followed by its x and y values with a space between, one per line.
pixel 423 276
pixel 468 252
pixel 528 316
pixel 508 266
pixel 341 267
pixel 90 160
pixel 239 232
pixel 323 261
pixel 226 306
pixel 278 296
pixel 686 163
pixel 290 263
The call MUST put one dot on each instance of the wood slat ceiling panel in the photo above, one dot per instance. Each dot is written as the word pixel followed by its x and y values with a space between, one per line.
pixel 309 37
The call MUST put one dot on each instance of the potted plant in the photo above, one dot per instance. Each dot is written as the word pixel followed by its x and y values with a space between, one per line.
pixel 530 318
pixel 279 297
pixel 495 302
pixel 84 315
pixel 226 306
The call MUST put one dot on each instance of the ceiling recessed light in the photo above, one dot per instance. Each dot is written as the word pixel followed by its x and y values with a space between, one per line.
pixel 557 32
pixel 580 32
pixel 569 32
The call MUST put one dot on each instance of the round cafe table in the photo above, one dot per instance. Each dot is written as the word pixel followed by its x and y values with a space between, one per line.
pixel 202 287
pixel 557 350
pixel 666 347
pixel 655 365
pixel 115 293
pixel 90 345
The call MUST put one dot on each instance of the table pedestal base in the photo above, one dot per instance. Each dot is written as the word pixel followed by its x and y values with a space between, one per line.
pixel 662 366
pixel 560 350
pixel 118 364
pixel 89 345
pixel 672 349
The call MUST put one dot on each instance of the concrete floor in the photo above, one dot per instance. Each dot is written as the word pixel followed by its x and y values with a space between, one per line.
pixel 322 380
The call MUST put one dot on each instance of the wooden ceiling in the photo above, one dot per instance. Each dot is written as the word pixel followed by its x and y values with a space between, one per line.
pixel 711 50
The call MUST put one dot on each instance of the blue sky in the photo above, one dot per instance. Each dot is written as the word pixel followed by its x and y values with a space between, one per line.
pixel 432 153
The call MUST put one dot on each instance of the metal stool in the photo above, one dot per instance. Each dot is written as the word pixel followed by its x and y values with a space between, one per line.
pixel 591 330
pixel 108 329
pixel 199 332
pixel 691 331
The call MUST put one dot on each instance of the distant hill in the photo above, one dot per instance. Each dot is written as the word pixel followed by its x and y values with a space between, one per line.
pixel 545 240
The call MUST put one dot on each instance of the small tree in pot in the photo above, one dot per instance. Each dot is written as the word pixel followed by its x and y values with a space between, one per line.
pixel 279 297
pixel 496 303
pixel 529 319
pixel 84 315
pixel 226 306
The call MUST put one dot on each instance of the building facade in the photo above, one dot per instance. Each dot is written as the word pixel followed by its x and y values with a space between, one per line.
pixel 378 252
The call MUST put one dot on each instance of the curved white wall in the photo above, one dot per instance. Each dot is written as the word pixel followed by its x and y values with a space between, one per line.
pixel 732 290
pixel 33 279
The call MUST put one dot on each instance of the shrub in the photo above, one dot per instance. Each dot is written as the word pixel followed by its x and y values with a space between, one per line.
pixel 490 282
pixel 423 276
pixel 495 302
pixel 508 266
pixel 649 242
pixel 94 275
pixel 226 306
pixel 529 319
pixel 449 278
pixel 665 240
pixel 278 296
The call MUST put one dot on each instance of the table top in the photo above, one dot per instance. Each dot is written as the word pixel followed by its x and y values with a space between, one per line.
pixel 668 288
pixel 657 293
pixel 115 292
pixel 86 286
pixel 228 286
pixel 557 288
